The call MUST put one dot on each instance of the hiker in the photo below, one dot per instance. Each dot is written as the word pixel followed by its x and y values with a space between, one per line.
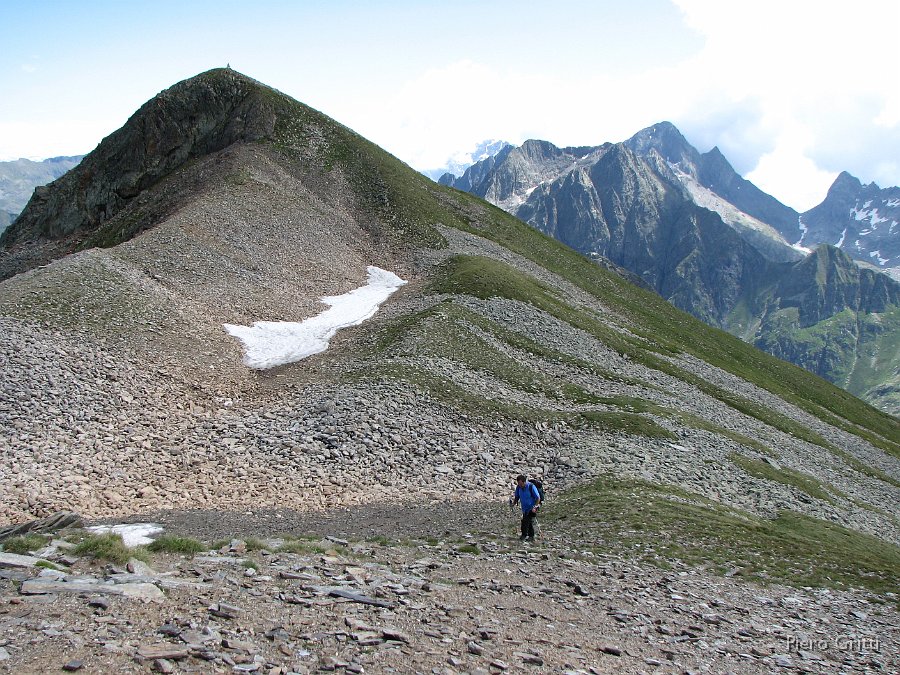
pixel 528 497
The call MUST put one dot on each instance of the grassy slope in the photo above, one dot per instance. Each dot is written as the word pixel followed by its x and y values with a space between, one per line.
pixel 664 525
pixel 835 341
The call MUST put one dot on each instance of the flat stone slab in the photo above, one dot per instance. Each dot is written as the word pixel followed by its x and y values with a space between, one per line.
pixel 163 581
pixel 16 560
pixel 163 651
pixel 137 591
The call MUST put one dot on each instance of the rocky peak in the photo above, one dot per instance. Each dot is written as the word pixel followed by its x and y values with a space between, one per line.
pixel 195 117
pixel 859 218
pixel 714 164
pixel 665 138
pixel 538 151
pixel 844 183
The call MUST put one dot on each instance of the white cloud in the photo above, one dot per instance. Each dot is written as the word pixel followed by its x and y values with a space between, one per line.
pixel 768 75
pixel 452 108
pixel 790 174
pixel 820 74
pixel 48 138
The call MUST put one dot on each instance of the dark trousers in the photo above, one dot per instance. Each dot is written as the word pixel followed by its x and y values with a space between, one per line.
pixel 528 525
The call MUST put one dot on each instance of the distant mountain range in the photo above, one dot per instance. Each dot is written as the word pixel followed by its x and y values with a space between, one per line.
pixel 720 248
pixel 19 178
pixel 461 161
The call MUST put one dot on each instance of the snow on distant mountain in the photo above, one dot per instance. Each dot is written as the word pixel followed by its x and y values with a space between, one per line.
pixel 730 214
pixel 460 161
pixel 862 220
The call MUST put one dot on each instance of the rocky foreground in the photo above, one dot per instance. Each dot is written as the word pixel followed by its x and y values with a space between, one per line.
pixel 417 599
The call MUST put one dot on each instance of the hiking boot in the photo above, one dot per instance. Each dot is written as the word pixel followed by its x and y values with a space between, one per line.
pixel 530 540
pixel 522 538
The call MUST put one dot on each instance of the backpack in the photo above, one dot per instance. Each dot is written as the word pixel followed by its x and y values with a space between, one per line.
pixel 540 487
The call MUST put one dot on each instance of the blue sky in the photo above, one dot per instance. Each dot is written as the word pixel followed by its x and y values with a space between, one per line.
pixel 791 92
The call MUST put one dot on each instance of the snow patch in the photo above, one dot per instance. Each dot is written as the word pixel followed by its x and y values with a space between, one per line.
pixel 868 214
pixel 136 534
pixel 841 240
pixel 877 256
pixel 727 211
pixel 892 202
pixel 803 230
pixel 275 343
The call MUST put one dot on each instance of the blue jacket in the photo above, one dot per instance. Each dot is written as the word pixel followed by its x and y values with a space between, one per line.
pixel 528 496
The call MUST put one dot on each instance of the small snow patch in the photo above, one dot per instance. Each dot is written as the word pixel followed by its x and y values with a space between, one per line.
pixel 136 534
pixel 275 343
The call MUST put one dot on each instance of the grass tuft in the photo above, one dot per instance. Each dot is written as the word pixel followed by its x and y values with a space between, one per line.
pixel 174 544
pixel 301 547
pixel 24 544
pixel 107 546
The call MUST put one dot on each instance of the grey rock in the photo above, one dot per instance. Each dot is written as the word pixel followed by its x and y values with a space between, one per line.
pixel 162 651
pixel 136 591
pixel 225 611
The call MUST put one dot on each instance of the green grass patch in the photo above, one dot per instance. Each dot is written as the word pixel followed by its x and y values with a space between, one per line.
pixel 301 547
pixel 468 548
pixel 446 390
pixel 446 330
pixel 804 482
pixel 255 544
pixel 629 423
pixel 380 540
pixel 108 547
pixel 169 543
pixel 404 200
pixel 663 524
pixel 526 344
pixel 863 468
pixel 442 388
pixel 24 544
pixel 484 277
pixel 700 423
pixel 47 565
